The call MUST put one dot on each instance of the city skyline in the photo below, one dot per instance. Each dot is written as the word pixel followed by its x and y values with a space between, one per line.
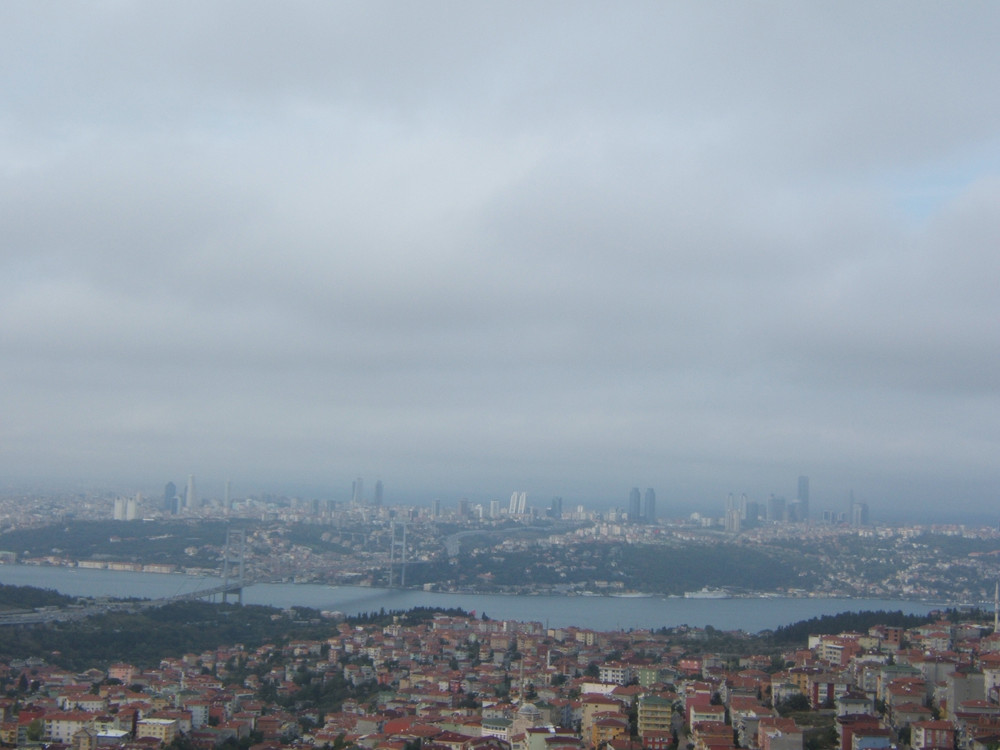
pixel 569 248
pixel 638 507
pixel 767 506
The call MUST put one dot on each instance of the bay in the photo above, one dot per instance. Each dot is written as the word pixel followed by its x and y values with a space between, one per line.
pixel 606 613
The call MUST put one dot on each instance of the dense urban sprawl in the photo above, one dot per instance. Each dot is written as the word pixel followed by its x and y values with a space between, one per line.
pixel 461 682
pixel 467 550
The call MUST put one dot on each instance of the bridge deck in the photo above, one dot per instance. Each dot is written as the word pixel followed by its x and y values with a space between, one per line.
pixel 62 615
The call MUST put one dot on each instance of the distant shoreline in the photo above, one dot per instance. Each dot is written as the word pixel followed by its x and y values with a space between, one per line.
pixel 190 573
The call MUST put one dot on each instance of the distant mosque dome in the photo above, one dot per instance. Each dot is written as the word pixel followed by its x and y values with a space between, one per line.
pixel 528 710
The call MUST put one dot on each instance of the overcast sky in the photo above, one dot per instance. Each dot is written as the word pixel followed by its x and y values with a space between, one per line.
pixel 471 248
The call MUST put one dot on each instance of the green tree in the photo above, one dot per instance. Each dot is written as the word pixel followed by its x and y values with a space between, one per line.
pixel 35 729
pixel 824 738
pixel 793 703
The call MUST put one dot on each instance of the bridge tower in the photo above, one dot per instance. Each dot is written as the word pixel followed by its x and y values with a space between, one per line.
pixel 395 539
pixel 235 554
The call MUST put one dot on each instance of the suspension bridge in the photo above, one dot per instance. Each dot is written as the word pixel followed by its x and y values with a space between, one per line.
pixel 233 583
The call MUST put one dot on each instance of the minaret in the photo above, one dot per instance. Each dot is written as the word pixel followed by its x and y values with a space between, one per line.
pixel 520 689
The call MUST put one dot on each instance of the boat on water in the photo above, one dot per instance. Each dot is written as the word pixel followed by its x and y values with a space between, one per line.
pixel 632 595
pixel 706 593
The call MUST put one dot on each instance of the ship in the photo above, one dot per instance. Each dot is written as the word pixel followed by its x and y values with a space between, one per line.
pixel 706 593
pixel 632 595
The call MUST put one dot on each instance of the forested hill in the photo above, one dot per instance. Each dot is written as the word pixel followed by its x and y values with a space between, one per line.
pixel 28 597
pixel 144 637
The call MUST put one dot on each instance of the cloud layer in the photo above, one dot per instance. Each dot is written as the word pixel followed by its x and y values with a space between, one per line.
pixel 567 248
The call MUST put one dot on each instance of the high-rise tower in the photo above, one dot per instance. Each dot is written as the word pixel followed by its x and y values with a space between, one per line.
pixel 634 505
pixel 649 505
pixel 859 512
pixel 189 498
pixel 169 493
pixel 518 503
pixel 802 496
pixel 776 510
pixel 555 508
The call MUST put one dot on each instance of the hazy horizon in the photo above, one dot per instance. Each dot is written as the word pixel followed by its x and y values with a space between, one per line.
pixel 566 248
pixel 670 504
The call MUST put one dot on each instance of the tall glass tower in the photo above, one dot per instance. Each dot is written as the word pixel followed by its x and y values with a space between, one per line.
pixel 649 505
pixel 803 498
pixel 634 507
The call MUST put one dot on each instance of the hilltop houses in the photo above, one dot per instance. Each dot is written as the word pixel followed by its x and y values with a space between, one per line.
pixel 462 683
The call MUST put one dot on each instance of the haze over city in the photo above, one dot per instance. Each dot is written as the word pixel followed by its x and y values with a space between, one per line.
pixel 565 249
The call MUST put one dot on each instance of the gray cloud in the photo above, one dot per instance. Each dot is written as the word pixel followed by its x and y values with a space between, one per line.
pixel 567 247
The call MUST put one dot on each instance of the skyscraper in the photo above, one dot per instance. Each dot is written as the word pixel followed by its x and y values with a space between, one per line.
pixel 733 521
pixel 518 503
pixel 358 492
pixel 378 493
pixel 859 513
pixel 802 496
pixel 555 509
pixel 776 509
pixel 189 499
pixel 169 493
pixel 649 505
pixel 634 505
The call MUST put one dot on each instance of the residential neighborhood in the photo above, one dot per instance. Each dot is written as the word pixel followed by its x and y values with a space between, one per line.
pixel 470 683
